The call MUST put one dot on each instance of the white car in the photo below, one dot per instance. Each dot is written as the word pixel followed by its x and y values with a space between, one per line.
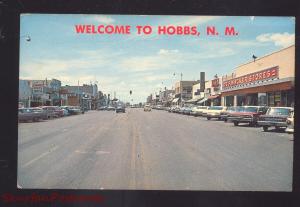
pixel 198 110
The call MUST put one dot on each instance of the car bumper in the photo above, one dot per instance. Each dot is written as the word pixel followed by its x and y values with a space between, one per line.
pixel 120 110
pixel 241 119
pixel 213 115
pixel 270 123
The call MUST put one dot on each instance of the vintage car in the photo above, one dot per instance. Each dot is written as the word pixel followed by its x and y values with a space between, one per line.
pixel 110 108
pixel 224 114
pixel 53 111
pixel 31 114
pixel 72 110
pixel 147 107
pixel 275 117
pixel 198 110
pixel 187 110
pixel 246 114
pixel 215 112
pixel 102 108
pixel 290 123
pixel 120 108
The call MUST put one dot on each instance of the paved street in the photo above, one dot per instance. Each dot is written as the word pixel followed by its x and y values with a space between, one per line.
pixel 151 150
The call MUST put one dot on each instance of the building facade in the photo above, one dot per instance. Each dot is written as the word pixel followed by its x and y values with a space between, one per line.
pixel 267 81
pixel 184 91
pixel 25 93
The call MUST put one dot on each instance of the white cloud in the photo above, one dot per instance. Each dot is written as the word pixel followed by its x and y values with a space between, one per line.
pixel 279 39
pixel 166 52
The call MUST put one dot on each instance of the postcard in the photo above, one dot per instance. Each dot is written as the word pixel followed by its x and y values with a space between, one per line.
pixel 156 102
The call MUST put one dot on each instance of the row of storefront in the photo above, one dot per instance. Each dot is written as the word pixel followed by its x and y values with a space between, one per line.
pixel 267 81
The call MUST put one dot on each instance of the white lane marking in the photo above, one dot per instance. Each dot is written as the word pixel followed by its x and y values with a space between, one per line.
pixel 99 152
pixel 102 152
pixel 81 152
pixel 40 156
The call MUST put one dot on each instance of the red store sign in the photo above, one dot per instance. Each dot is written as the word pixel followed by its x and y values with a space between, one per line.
pixel 263 75
pixel 215 83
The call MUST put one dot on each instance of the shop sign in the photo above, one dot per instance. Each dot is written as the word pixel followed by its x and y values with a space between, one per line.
pixel 263 75
pixel 215 83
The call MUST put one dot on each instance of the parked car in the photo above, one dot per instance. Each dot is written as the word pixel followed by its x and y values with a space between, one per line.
pixel 187 110
pixel 229 110
pixel 204 111
pixel 65 111
pixel 197 110
pixel 181 109
pixel 42 114
pixel 110 108
pixel 31 114
pixel 53 111
pixel 246 114
pixel 275 117
pixel 120 108
pixel 290 123
pixel 72 110
pixel 147 107
pixel 215 112
pixel 102 108
pixel 177 109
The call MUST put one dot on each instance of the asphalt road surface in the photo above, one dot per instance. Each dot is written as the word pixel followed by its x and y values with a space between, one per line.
pixel 153 150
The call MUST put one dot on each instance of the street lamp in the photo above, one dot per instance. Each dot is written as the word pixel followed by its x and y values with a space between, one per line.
pixel 27 37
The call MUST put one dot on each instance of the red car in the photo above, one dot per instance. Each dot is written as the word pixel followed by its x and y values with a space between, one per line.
pixel 246 114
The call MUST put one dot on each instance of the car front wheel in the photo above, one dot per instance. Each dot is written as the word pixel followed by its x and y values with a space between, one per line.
pixel 208 118
pixel 265 128
pixel 236 123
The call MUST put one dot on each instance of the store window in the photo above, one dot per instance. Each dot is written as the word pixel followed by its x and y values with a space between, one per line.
pixel 262 99
pixel 241 100
pixel 252 99
pixel 229 100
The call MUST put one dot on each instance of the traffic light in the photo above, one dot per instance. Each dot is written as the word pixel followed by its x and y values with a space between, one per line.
pixel 130 92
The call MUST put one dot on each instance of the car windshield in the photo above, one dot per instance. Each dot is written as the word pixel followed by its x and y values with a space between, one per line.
pixel 215 108
pixel 278 111
pixel 249 109
pixel 36 110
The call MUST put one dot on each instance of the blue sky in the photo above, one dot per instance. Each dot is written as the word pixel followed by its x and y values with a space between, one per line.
pixel 140 63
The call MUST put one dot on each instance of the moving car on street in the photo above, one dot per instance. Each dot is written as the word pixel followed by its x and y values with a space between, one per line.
pixel 290 123
pixel 246 114
pixel 275 117
pixel 215 112
pixel 120 108
pixel 147 107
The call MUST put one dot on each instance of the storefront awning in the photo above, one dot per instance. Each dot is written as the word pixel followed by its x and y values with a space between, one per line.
pixel 175 100
pixel 202 101
pixel 213 97
pixel 193 100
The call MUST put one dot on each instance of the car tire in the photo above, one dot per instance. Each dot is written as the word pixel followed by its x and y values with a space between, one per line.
pixel 277 128
pixel 236 123
pixel 208 118
pixel 265 128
